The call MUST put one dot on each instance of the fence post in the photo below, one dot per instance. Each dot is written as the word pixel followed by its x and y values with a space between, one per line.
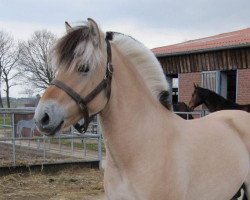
pixel 84 146
pixel 60 144
pixel 72 140
pixel 13 139
pixel 4 122
pixel 49 144
pixel 44 149
pixel 99 144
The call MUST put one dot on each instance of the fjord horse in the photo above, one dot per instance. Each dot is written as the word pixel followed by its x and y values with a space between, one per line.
pixel 151 153
pixel 213 101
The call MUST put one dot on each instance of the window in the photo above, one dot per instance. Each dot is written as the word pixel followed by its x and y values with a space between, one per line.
pixel 210 80
pixel 174 87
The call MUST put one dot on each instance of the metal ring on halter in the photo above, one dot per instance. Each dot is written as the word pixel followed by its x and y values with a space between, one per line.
pixel 110 68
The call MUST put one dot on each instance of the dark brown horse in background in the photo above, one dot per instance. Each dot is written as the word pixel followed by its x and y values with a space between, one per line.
pixel 213 101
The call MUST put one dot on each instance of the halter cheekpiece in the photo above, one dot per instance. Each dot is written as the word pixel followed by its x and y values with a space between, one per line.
pixel 83 101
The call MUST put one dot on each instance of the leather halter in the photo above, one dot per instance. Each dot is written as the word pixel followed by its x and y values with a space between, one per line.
pixel 83 101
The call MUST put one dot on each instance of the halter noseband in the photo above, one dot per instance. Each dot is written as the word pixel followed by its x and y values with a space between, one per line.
pixel 83 101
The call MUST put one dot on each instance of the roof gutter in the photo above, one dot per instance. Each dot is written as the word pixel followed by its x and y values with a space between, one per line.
pixel 202 50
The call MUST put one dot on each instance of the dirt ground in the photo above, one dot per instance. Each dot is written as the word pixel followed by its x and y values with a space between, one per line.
pixel 69 184
pixel 25 156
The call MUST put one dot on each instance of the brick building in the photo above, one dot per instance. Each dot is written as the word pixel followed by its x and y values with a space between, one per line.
pixel 220 63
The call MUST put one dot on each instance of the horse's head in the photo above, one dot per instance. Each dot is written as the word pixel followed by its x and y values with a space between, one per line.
pixel 196 99
pixel 81 60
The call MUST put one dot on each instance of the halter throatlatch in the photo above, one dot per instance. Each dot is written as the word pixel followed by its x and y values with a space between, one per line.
pixel 83 101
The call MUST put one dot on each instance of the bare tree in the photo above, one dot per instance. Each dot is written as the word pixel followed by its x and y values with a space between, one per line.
pixel 34 61
pixel 9 75
pixel 29 92
pixel 8 61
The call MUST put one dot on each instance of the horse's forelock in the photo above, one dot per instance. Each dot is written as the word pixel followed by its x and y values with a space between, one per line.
pixel 64 49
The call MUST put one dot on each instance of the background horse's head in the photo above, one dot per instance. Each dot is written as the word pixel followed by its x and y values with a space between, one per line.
pixel 79 59
pixel 196 98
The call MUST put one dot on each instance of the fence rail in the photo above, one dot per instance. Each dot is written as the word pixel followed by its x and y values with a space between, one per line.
pixel 195 114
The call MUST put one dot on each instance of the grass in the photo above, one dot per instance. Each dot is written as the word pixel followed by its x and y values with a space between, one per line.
pixel 90 145
pixel 5 120
pixel 94 147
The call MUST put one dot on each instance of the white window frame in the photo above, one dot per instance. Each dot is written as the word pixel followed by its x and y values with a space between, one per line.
pixel 217 80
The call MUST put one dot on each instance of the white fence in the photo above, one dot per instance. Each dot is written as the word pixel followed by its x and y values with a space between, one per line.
pixel 17 148
pixel 194 114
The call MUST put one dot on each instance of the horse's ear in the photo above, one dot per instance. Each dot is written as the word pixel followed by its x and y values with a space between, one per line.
pixel 195 86
pixel 95 33
pixel 67 27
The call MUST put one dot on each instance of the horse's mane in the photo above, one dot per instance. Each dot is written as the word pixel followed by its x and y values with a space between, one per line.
pixel 77 44
pixel 144 61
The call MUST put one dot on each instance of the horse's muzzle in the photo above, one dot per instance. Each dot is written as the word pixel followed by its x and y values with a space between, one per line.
pixel 49 117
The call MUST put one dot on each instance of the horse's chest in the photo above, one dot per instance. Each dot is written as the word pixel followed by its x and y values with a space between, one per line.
pixel 119 189
pixel 118 186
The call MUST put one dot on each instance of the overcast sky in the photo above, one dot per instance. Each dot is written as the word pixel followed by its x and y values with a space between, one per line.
pixel 155 23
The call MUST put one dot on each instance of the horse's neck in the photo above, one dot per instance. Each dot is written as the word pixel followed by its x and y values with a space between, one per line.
pixel 245 107
pixel 215 102
pixel 130 113
pixel 212 107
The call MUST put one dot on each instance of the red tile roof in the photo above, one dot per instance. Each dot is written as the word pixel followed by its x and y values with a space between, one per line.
pixel 221 41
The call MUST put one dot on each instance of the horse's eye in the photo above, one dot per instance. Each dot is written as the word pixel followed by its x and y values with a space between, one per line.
pixel 83 69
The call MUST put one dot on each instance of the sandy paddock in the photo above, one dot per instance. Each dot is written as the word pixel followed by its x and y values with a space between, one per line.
pixel 68 184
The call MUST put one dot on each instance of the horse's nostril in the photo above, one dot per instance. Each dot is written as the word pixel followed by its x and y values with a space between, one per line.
pixel 45 119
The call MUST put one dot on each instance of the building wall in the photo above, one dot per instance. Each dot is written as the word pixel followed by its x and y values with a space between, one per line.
pixel 243 96
pixel 187 80
pixel 186 85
